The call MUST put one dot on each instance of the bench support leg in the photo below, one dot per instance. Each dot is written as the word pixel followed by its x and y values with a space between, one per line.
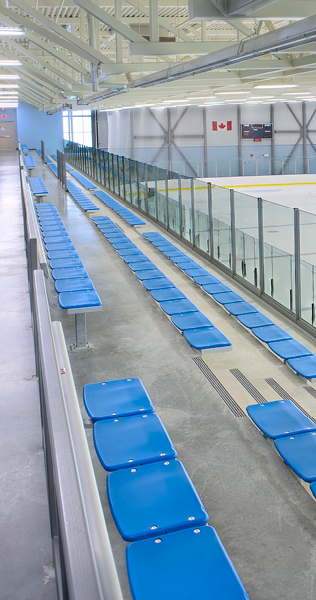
pixel 81 330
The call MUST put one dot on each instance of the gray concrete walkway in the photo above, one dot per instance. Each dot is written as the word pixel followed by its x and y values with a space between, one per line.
pixel 263 515
pixel 26 571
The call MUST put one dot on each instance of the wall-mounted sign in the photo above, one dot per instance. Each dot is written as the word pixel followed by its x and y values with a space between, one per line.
pixel 256 132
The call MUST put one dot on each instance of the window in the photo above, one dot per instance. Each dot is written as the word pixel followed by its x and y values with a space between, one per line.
pixel 77 126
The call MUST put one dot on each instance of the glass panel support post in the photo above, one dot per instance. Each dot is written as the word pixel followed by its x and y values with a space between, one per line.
pixel 180 207
pixel 261 245
pixel 146 187
pixel 167 199
pixel 156 194
pixel 130 181
pixel 137 183
pixel 297 263
pixel 210 212
pixel 192 211
pixel 233 231
pixel 123 175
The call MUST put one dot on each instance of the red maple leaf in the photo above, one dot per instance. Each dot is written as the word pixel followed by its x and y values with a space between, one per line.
pixel 222 126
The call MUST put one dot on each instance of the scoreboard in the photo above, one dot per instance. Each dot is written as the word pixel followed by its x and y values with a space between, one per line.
pixel 256 132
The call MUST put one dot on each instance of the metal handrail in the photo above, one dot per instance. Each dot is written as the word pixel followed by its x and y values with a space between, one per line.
pixel 97 526
pixel 85 551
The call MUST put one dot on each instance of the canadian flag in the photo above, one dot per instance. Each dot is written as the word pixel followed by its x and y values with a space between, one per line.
pixel 222 126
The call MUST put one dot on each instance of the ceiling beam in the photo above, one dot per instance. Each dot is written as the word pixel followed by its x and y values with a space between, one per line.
pixel 100 14
pixel 281 10
pixel 162 22
pixel 178 48
pixel 83 49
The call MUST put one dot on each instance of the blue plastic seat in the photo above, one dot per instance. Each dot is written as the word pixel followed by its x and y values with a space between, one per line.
pixel 240 308
pixel 313 488
pixel 254 320
pixel 159 283
pixel 128 441
pixel 289 349
pixel 205 279
pixel 60 237
pixel 191 564
pixel 185 263
pixel 69 273
pixel 79 299
pixel 195 272
pixel 73 285
pixel 299 453
pixel 136 257
pixel 305 366
pixel 167 294
pixel 68 253
pixel 173 253
pixel 174 307
pixel 272 333
pixel 129 251
pixel 227 297
pixel 122 397
pixel 153 499
pixel 206 338
pixel 66 245
pixel 142 266
pixel 143 275
pixel 62 263
pixel 150 235
pixel 215 288
pixel 192 320
pixel 279 419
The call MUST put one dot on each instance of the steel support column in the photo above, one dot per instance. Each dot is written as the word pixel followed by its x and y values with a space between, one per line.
pixel 240 169
pixel 297 263
pixel 272 140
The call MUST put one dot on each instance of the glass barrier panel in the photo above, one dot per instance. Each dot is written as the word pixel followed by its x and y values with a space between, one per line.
pixel 134 186
pixel 121 176
pixel 201 215
pixel 308 266
pixel 186 210
pixel 142 186
pixel 247 237
pixel 116 174
pixel 128 195
pixel 110 173
pixel 161 196
pixel 221 225
pixel 279 271
pixel 174 203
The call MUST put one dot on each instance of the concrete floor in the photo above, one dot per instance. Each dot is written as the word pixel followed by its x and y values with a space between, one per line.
pixel 263 515
pixel 26 570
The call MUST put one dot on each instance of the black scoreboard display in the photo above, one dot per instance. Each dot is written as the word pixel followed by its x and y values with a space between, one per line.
pixel 256 132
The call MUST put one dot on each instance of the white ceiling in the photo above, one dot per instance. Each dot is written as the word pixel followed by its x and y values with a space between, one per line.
pixel 83 51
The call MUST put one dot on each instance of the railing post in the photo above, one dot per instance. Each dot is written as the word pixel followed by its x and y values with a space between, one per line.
pixel 233 231
pixel 261 245
pixel 210 212
pixel 192 211
pixel 297 263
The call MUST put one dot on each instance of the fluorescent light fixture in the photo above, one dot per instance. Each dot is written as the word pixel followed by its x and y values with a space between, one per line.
pixel 184 100
pixel 298 94
pixel 202 98
pixel 140 105
pixel 11 31
pixel 4 76
pixel 275 86
pixel 10 63
pixel 260 97
pixel 9 85
pixel 231 93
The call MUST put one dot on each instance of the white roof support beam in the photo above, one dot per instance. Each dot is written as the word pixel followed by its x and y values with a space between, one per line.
pixel 178 48
pixel 154 20
pixel 281 10
pixel 295 34
pixel 112 22
pixel 162 22
pixel 63 42
pixel 43 63
pixel 76 45
pixel 60 56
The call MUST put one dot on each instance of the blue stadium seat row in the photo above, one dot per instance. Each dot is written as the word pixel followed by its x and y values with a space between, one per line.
pixel 84 202
pixel 197 329
pixel 29 162
pixel 293 434
pixel 173 552
pixel 119 209
pixel 84 181
pixel 68 167
pixel 25 149
pixel 72 283
pixel 53 168
pixel 38 187
pixel 47 159
pixel 298 357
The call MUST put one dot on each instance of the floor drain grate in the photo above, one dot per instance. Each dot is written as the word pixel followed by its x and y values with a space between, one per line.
pixel 310 390
pixel 219 388
pixel 248 386
pixel 285 396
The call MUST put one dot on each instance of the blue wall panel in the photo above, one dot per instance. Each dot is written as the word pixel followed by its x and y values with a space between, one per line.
pixel 34 126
